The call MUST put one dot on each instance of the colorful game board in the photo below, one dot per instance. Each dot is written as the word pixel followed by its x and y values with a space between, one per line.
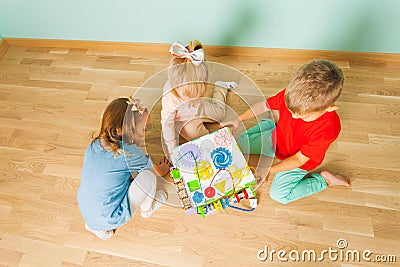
pixel 211 171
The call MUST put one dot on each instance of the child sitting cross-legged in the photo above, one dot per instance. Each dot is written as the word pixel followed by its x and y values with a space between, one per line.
pixel 307 125
pixel 184 106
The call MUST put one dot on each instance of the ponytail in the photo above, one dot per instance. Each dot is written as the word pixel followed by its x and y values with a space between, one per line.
pixel 188 72
pixel 118 124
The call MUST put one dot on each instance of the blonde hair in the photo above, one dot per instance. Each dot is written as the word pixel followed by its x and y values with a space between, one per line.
pixel 186 78
pixel 315 87
pixel 118 124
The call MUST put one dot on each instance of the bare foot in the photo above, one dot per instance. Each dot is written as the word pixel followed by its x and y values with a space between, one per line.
pixel 163 167
pixel 332 180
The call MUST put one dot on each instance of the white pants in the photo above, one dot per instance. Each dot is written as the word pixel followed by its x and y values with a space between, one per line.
pixel 142 190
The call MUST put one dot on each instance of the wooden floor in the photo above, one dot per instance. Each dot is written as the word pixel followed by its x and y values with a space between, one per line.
pixel 51 99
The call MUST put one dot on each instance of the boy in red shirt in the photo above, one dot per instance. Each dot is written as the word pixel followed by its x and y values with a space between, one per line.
pixel 308 124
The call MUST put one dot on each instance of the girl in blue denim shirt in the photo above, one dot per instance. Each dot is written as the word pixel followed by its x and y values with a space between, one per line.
pixel 108 196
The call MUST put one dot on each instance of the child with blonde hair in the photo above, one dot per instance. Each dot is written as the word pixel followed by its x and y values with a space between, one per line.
pixel 184 110
pixel 108 196
pixel 307 125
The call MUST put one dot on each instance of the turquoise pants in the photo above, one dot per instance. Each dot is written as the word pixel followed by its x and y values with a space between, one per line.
pixel 287 186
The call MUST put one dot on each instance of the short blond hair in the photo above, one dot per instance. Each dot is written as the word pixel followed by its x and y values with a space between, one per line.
pixel 315 87
pixel 186 78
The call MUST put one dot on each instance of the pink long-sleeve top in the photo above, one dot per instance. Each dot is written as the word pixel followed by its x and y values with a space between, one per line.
pixel 174 109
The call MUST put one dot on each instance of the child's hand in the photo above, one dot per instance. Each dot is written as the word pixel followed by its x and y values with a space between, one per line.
pixel 234 124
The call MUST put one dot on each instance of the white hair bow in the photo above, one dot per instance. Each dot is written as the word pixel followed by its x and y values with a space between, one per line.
pixel 136 106
pixel 178 50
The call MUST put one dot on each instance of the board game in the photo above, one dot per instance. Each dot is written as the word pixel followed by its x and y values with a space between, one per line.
pixel 211 173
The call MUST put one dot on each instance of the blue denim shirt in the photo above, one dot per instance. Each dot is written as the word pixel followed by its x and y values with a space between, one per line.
pixel 103 193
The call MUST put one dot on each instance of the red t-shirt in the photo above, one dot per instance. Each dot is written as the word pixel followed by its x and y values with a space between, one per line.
pixel 311 138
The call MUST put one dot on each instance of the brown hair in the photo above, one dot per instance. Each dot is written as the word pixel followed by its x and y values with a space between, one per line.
pixel 118 124
pixel 186 78
pixel 314 87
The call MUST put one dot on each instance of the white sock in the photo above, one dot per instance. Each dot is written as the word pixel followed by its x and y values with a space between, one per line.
pixel 104 235
pixel 227 85
pixel 159 200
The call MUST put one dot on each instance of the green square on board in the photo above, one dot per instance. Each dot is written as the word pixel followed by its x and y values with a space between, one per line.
pixel 193 185
pixel 176 174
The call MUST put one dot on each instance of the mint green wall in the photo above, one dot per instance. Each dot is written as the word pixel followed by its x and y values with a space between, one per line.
pixel 353 25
